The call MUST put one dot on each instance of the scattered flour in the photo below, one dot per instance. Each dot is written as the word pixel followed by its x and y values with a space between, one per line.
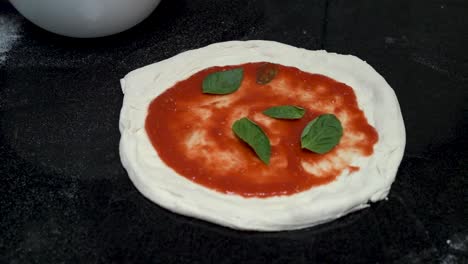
pixel 10 29
pixel 459 242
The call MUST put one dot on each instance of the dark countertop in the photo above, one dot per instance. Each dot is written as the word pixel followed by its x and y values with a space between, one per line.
pixel 65 198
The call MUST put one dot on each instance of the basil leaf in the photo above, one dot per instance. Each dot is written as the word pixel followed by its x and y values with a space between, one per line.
pixel 223 82
pixel 322 134
pixel 285 112
pixel 253 135
pixel 266 72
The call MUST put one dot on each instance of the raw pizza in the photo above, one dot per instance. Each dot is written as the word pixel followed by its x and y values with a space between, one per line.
pixel 259 135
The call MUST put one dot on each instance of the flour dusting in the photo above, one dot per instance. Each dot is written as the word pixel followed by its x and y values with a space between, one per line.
pixel 10 29
pixel 459 242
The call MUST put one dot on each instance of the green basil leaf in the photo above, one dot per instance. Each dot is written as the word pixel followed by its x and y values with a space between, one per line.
pixel 223 82
pixel 285 112
pixel 266 72
pixel 254 136
pixel 322 134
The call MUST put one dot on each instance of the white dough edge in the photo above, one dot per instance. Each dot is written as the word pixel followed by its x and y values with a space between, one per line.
pixel 348 193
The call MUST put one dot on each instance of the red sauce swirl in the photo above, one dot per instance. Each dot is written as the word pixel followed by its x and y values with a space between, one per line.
pixel 191 132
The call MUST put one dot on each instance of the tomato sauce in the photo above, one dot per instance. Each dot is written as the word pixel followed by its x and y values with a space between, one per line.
pixel 192 134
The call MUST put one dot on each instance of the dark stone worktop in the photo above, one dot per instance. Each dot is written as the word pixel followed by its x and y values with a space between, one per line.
pixel 65 198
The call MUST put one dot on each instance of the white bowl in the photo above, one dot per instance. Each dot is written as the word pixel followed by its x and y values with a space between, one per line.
pixel 85 18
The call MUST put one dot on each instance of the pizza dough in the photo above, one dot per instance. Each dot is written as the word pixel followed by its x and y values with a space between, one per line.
pixel 349 192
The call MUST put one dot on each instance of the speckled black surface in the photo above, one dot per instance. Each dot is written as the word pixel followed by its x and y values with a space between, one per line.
pixel 65 198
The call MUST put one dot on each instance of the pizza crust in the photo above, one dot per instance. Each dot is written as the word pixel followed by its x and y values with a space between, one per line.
pixel 349 192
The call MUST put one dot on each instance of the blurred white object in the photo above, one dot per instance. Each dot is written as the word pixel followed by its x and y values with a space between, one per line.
pixel 85 18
